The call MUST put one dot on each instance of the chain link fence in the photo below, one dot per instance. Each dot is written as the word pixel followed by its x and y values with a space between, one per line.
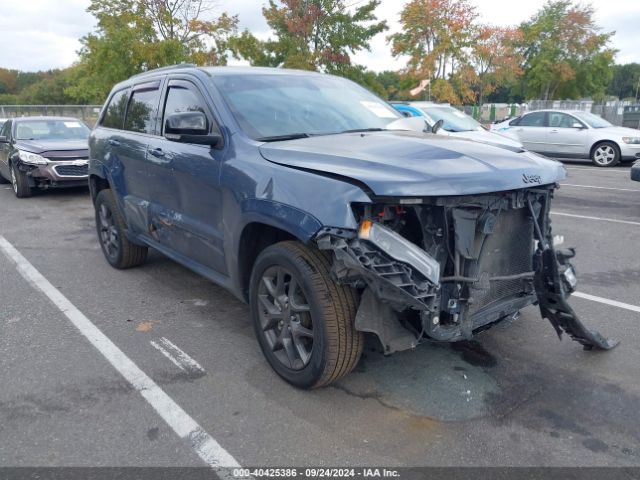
pixel 87 113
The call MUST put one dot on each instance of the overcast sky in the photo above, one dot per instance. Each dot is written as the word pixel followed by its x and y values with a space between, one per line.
pixel 43 34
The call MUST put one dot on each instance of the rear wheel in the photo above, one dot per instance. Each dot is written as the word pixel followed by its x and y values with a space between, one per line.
pixel 117 248
pixel 20 183
pixel 303 320
pixel 605 154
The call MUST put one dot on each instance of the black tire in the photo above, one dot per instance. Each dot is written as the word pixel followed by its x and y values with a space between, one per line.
pixel 336 345
pixel 20 183
pixel 110 226
pixel 605 154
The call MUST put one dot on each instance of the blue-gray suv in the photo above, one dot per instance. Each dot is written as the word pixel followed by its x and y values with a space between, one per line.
pixel 306 196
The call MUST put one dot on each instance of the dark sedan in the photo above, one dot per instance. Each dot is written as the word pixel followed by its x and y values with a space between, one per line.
pixel 43 152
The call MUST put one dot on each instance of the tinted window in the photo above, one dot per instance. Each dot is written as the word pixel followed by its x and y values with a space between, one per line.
pixel 180 99
pixel 535 119
pixel 114 115
pixel 561 120
pixel 142 111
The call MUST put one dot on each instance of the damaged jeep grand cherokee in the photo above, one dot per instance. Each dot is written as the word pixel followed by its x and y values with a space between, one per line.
pixel 307 197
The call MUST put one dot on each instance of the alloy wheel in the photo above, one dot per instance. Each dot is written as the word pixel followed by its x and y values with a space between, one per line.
pixel 604 155
pixel 285 317
pixel 108 231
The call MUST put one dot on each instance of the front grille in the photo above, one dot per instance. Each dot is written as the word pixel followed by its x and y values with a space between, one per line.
pixel 507 251
pixel 72 170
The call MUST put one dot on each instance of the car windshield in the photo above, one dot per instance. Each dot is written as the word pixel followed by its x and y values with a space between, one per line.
pixel 453 120
pixel 276 107
pixel 51 130
pixel 594 121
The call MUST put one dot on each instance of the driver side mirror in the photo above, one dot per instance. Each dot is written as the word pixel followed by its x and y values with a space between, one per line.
pixel 577 125
pixel 190 127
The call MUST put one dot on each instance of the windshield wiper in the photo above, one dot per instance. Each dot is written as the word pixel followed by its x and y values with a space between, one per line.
pixel 358 130
pixel 288 136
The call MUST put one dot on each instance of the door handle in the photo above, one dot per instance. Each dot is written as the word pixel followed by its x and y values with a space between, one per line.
pixel 553 131
pixel 157 152
pixel 113 142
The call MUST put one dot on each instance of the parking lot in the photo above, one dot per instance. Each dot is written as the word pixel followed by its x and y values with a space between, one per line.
pixel 515 396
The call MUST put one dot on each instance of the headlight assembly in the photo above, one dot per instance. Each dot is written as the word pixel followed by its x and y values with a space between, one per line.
pixel 32 158
pixel 631 140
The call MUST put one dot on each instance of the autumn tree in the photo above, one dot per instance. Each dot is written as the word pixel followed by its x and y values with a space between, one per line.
pixel 435 34
pixel 137 35
pixel 312 34
pixel 565 53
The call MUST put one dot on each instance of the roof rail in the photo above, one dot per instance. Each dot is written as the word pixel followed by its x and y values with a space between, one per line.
pixel 398 102
pixel 168 67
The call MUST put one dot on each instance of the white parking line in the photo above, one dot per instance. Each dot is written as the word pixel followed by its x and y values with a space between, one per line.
pixel 179 358
pixel 606 301
pixel 601 170
pixel 167 354
pixel 601 188
pixel 586 217
pixel 207 448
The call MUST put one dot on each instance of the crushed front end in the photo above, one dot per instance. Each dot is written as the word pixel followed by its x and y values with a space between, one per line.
pixel 446 268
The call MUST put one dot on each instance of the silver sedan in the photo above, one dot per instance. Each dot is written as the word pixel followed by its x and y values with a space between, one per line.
pixel 573 134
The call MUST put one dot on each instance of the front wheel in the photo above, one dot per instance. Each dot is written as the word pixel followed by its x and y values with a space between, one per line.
pixel 303 320
pixel 20 183
pixel 605 154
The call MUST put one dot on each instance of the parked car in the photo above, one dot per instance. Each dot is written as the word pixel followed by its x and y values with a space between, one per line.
pixel 43 152
pixel 2 120
pixel 454 122
pixel 635 171
pixel 286 188
pixel 573 134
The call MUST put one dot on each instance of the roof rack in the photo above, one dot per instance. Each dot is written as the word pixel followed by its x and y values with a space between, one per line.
pixel 168 67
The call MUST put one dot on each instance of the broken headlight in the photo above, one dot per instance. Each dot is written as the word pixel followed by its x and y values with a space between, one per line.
pixel 400 249
pixel 32 158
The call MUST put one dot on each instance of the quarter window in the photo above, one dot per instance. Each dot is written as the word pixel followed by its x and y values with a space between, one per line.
pixel 114 115
pixel 142 111
pixel 535 119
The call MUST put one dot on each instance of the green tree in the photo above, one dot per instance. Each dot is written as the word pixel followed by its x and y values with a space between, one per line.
pixel 626 81
pixel 312 35
pixel 137 35
pixel 436 36
pixel 566 55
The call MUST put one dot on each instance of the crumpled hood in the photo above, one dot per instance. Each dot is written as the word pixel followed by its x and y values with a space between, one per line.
pixel 40 146
pixel 415 164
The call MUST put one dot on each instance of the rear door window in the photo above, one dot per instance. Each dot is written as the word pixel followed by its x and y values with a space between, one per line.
pixel 142 112
pixel 535 119
pixel 114 114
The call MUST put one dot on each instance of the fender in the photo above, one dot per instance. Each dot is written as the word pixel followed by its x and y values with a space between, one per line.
pixel 298 223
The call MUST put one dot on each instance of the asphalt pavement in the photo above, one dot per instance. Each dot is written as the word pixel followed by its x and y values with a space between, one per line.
pixel 516 396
